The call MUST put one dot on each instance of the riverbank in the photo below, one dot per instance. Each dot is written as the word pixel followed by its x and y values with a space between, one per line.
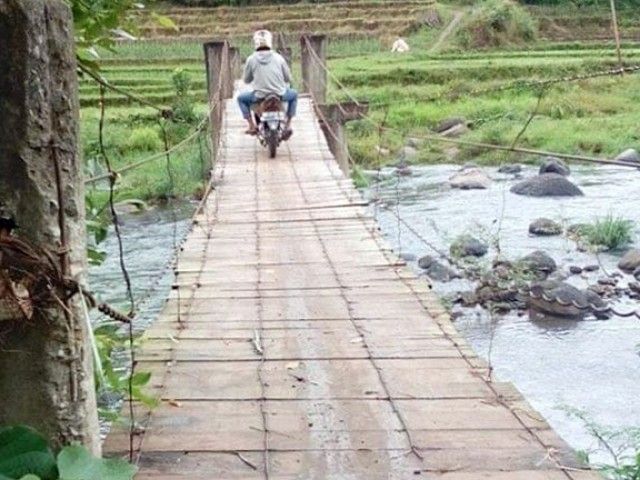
pixel 560 365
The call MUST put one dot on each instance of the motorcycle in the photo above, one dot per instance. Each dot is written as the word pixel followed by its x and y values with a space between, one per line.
pixel 270 119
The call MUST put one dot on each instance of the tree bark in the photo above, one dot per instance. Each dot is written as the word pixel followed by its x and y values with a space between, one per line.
pixel 46 373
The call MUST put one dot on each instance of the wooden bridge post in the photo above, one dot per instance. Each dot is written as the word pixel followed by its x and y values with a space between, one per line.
pixel 235 62
pixel 46 373
pixel 314 73
pixel 219 85
pixel 283 49
pixel 334 117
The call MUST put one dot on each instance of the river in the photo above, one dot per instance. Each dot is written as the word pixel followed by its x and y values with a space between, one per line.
pixel 589 365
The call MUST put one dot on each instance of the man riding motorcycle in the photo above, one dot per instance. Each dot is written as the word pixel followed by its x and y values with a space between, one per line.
pixel 268 73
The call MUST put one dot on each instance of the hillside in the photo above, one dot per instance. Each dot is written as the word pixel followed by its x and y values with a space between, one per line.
pixel 414 92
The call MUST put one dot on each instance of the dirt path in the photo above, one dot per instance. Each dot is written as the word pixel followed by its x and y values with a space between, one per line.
pixel 297 346
pixel 446 33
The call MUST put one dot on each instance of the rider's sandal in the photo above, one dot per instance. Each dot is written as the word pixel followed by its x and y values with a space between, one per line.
pixel 286 135
pixel 251 131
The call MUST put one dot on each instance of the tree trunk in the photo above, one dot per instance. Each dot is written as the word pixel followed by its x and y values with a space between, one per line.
pixel 46 374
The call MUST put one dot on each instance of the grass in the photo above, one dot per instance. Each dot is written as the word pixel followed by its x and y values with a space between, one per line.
pixel 595 117
pixel 609 232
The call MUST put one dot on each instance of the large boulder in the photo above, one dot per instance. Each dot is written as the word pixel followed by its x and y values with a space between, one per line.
pixel 630 260
pixel 436 270
pixel 468 246
pixel 629 155
pixel 554 165
pixel 545 227
pixel 449 123
pixel 560 299
pixel 539 262
pixel 469 178
pixel 546 185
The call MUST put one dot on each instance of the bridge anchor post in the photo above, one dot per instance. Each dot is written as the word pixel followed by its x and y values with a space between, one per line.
pixel 314 70
pixel 333 119
pixel 219 85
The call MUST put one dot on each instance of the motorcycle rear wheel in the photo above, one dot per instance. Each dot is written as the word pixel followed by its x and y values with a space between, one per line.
pixel 272 143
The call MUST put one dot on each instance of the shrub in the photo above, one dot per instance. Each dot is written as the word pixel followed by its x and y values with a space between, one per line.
pixel 494 23
pixel 145 139
pixel 183 105
pixel 610 232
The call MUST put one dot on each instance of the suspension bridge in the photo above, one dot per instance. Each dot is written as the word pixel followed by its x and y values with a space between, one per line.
pixel 296 345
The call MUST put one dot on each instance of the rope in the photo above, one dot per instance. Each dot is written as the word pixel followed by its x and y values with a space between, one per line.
pixel 123 268
pixel 158 155
pixel 531 151
pixel 333 77
pixel 511 148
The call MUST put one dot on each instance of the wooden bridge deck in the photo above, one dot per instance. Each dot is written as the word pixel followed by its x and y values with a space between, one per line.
pixel 306 350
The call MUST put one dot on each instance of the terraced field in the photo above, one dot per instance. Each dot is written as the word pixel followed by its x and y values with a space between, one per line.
pixel 585 24
pixel 337 19
pixel 412 92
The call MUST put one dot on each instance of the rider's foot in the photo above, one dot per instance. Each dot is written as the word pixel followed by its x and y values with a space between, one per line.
pixel 286 135
pixel 251 131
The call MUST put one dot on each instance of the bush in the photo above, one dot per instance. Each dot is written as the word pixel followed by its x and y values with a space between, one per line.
pixel 494 23
pixel 144 139
pixel 183 105
pixel 609 232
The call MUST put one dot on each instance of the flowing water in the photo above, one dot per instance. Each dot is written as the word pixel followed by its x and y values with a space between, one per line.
pixel 148 244
pixel 592 365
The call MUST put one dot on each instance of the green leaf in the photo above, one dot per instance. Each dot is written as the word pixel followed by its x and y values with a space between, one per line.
pixel 140 379
pixel 95 257
pixel 23 451
pixel 76 463
pixel 147 400
pixel 164 21
pixel 30 477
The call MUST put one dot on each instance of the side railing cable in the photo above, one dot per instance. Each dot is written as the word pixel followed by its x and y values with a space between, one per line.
pixel 531 293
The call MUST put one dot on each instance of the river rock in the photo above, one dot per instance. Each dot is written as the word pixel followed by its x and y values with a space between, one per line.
pixel 468 246
pixel 575 270
pixel 436 270
pixel 470 178
pixel 546 185
pixel 561 299
pixel 408 152
pixel 448 123
pixel 630 260
pixel 629 155
pixel 455 131
pixel 539 262
pixel 510 169
pixel 575 230
pixel 413 142
pixel 554 165
pixel 591 268
pixel 131 207
pixel 636 273
pixel 381 150
pixel 545 227
pixel 403 170
pixel 634 287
